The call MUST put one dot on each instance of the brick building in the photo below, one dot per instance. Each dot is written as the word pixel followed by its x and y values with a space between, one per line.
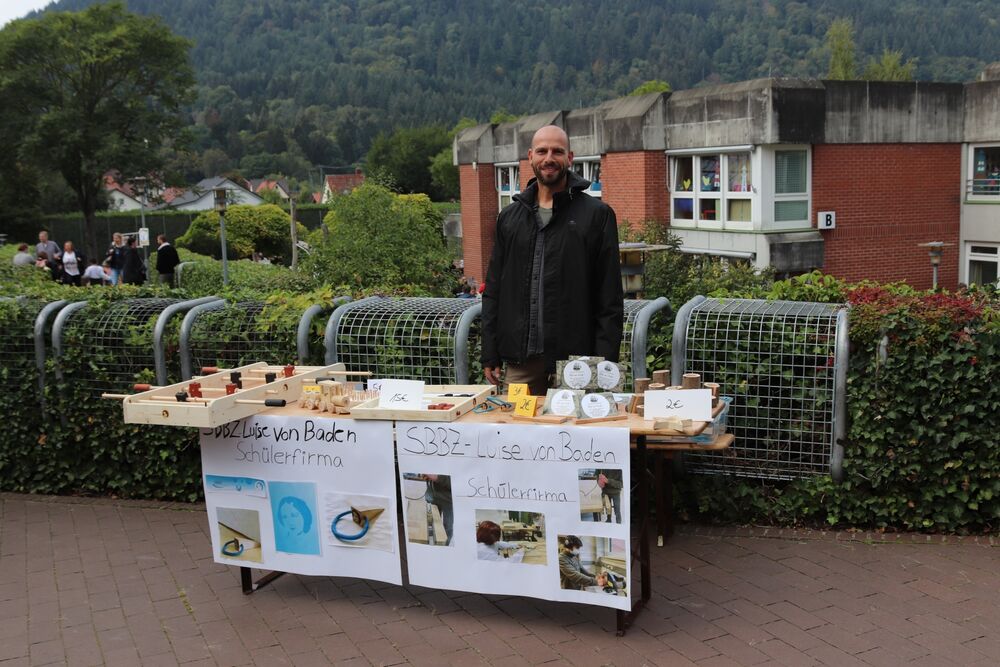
pixel 746 170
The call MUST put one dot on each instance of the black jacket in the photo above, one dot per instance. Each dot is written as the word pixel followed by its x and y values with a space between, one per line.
pixel 133 272
pixel 166 259
pixel 583 309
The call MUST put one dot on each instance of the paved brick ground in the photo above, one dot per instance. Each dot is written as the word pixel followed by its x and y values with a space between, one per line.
pixel 91 582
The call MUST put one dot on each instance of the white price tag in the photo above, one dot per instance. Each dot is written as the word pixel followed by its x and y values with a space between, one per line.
pixel 402 394
pixel 694 404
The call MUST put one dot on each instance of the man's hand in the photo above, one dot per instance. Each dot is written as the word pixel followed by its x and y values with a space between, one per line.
pixel 493 374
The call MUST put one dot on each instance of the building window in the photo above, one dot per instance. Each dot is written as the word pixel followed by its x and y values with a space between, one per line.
pixel 590 169
pixel 791 186
pixel 713 190
pixel 983 265
pixel 508 183
pixel 985 171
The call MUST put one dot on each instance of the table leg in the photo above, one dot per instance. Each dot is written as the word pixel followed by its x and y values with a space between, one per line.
pixel 249 585
pixel 626 619
pixel 664 497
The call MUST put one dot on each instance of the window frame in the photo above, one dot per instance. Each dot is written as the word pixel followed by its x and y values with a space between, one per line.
pixel 587 164
pixel 772 197
pixel 970 186
pixel 513 170
pixel 971 256
pixel 699 195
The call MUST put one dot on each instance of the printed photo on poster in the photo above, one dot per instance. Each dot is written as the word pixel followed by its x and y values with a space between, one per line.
pixel 245 486
pixel 593 564
pixel 238 531
pixel 601 495
pixel 293 506
pixel 430 510
pixel 510 536
pixel 358 521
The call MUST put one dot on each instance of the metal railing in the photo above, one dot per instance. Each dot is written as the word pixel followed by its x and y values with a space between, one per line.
pixel 785 365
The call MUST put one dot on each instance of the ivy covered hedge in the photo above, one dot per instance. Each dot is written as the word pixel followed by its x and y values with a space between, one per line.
pixel 920 454
pixel 921 451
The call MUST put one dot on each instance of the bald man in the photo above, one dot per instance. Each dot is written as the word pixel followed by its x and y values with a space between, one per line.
pixel 553 286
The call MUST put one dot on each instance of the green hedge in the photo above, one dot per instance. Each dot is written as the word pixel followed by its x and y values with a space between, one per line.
pixel 924 408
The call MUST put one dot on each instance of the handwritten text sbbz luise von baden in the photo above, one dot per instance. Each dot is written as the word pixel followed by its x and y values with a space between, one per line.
pixel 450 441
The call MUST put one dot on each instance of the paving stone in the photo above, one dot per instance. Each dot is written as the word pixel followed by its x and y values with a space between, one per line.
pixel 721 596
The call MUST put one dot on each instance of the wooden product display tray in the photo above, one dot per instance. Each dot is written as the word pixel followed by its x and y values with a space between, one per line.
pixel 432 394
pixel 160 405
pixel 633 422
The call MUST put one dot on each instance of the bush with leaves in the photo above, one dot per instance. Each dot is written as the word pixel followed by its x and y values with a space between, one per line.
pixel 246 279
pixel 924 410
pixel 265 229
pixel 378 239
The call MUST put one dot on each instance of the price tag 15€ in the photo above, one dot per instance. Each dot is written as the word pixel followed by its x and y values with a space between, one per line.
pixel 525 405
pixel 401 394
pixel 516 391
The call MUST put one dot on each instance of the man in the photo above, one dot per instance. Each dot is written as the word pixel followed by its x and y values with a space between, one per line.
pixel 573 575
pixel 133 272
pixel 50 248
pixel 166 260
pixel 553 288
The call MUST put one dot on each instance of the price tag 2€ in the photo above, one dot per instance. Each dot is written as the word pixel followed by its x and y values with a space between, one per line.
pixel 525 405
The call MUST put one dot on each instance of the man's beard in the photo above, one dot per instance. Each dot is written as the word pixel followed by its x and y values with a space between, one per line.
pixel 554 178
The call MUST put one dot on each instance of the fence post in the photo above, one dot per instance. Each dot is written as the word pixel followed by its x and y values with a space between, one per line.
pixel 185 343
pixel 462 342
pixel 678 348
pixel 640 334
pixel 841 354
pixel 40 321
pixel 159 353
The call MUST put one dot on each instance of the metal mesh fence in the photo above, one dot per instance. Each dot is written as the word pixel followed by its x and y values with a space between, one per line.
pixel 632 308
pixel 238 334
pixel 776 358
pixel 109 348
pixel 412 338
pixel 17 346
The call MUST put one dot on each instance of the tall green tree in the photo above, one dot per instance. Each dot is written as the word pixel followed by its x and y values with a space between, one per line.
pixel 405 156
pixel 890 67
pixel 840 44
pixel 92 91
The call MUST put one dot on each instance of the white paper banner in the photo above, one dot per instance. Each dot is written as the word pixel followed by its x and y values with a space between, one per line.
pixel 540 511
pixel 280 490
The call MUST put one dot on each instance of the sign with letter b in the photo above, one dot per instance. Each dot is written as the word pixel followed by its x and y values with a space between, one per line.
pixel 826 220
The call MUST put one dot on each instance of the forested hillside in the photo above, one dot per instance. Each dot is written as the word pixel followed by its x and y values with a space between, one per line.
pixel 288 84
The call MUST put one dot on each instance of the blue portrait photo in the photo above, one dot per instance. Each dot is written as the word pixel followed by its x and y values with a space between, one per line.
pixel 293 509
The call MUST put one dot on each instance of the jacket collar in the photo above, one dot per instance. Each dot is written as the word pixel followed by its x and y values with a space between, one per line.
pixel 574 185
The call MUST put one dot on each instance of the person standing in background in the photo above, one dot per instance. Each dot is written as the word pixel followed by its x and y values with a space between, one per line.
pixel 166 260
pixel 50 248
pixel 72 261
pixel 116 258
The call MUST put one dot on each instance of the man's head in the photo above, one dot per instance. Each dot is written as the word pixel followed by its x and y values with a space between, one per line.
pixel 550 156
pixel 23 247
pixel 43 236
pixel 161 239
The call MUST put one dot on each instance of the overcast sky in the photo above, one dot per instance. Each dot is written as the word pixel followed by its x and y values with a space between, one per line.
pixel 15 9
